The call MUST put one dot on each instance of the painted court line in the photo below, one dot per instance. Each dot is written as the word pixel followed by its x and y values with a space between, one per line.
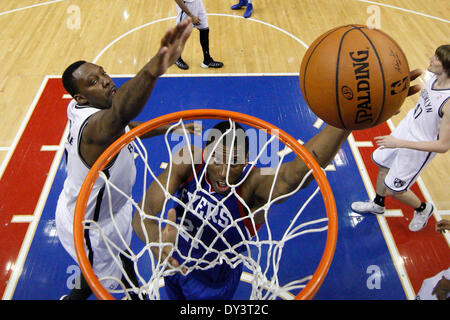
pixel 396 258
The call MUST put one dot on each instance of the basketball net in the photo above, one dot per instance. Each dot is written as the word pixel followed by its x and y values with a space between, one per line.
pixel 264 251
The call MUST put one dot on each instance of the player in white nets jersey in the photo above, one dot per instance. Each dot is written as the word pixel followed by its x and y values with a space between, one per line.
pixel 424 132
pixel 98 114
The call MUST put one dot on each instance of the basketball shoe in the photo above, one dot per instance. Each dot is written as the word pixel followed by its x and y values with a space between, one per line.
pixel 242 3
pixel 420 219
pixel 210 63
pixel 248 11
pixel 367 207
pixel 181 64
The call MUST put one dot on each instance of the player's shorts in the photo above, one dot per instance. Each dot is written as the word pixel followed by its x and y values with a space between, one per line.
pixel 196 286
pixel 97 251
pixel 197 8
pixel 404 165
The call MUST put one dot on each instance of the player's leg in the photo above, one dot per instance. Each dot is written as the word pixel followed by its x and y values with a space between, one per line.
pixel 405 170
pixel 422 210
pixel 128 266
pixel 376 205
pixel 81 291
pixel 249 10
pixel 384 159
pixel 203 27
pixel 181 15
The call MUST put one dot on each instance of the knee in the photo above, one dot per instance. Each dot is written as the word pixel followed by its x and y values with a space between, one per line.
pixel 394 194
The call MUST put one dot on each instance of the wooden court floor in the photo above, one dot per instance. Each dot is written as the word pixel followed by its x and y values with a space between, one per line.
pixel 41 38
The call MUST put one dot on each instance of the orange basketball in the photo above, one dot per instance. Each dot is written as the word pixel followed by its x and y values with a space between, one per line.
pixel 354 77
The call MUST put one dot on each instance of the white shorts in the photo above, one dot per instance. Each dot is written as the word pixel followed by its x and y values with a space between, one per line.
pixel 197 8
pixel 404 164
pixel 105 264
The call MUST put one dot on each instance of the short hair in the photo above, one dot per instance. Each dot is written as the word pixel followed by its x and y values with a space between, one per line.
pixel 443 54
pixel 68 79
pixel 240 137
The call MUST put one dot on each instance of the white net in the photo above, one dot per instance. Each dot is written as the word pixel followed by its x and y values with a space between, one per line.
pixel 276 262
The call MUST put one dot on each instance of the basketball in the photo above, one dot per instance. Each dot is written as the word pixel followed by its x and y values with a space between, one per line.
pixel 354 77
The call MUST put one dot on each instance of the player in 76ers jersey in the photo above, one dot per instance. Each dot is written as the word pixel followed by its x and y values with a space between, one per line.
pixel 424 132
pixel 198 244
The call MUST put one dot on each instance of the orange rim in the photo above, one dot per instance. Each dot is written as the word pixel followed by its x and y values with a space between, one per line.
pixel 308 292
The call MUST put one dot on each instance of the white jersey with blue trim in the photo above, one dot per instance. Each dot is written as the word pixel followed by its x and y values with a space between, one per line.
pixel 121 172
pixel 115 219
pixel 424 121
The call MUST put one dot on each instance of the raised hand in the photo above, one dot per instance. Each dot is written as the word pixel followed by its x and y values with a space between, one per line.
pixel 172 45
pixel 443 225
pixel 413 75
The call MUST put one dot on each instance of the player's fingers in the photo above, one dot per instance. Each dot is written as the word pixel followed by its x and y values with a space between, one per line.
pixel 414 74
pixel 173 262
pixel 172 217
pixel 167 37
pixel 182 28
pixel 414 89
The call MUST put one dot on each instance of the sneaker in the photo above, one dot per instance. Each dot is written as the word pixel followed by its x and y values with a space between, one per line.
pixel 367 207
pixel 242 3
pixel 181 64
pixel 420 219
pixel 211 64
pixel 248 11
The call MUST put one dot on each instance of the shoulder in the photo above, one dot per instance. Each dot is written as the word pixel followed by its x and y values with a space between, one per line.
pixel 79 113
pixel 445 108
pixel 254 181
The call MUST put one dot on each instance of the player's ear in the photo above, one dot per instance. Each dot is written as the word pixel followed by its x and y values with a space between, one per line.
pixel 80 99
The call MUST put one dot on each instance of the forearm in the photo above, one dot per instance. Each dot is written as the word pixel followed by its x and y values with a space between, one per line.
pixel 132 96
pixel 183 7
pixel 156 132
pixel 323 147
pixel 428 146
pixel 145 229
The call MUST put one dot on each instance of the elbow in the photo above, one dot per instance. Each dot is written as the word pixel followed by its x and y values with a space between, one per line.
pixel 443 148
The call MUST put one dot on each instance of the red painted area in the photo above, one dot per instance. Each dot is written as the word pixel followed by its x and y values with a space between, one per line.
pixel 25 175
pixel 424 253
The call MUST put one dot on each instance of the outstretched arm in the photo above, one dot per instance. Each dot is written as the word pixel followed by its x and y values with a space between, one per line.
pixel 441 145
pixel 107 125
pixel 154 202
pixel 191 128
pixel 323 146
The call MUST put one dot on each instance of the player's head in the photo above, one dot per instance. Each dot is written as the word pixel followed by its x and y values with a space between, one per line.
pixel 89 84
pixel 440 62
pixel 224 144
